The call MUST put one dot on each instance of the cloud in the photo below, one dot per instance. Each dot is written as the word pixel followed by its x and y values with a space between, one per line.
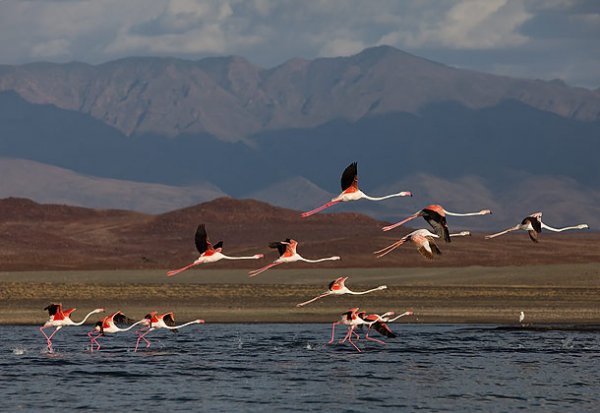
pixel 269 32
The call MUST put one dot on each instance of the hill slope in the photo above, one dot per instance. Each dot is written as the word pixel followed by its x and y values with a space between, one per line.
pixel 36 237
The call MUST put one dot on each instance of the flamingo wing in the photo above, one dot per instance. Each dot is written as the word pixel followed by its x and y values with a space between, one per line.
pixel 536 224
pixel 218 245
pixel 169 320
pixel 121 319
pixel 438 223
pixel 350 176
pixel 533 235
pixel 280 246
pixel 53 309
pixel 201 238
pixel 383 329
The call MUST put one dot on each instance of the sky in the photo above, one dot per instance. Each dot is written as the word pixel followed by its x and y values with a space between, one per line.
pixel 540 39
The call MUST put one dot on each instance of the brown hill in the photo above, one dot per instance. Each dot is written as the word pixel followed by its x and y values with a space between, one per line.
pixel 231 98
pixel 36 236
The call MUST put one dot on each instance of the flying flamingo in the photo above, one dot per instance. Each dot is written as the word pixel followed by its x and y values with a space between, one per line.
pixel 435 215
pixel 155 322
pixel 287 253
pixel 533 225
pixel 208 252
pixel 350 191
pixel 351 319
pixel 423 239
pixel 338 287
pixel 380 323
pixel 111 324
pixel 60 318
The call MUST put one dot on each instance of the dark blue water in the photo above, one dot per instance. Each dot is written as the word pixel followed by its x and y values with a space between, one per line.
pixel 287 367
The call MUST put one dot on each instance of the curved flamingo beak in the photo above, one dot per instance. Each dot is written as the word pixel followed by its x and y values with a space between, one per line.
pixel 200 321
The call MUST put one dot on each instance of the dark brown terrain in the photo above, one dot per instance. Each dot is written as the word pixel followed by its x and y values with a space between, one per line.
pixel 43 237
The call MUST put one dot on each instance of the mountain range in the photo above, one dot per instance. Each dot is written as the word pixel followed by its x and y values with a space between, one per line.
pixel 155 134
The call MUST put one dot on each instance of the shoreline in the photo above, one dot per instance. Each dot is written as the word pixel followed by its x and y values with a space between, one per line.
pixel 549 295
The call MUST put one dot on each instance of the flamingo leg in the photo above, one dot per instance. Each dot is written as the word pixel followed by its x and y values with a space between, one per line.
pixel 93 340
pixel 384 251
pixel 352 342
pixel 175 272
pixel 397 224
pixel 263 269
pixel 319 209
pixel 371 338
pixel 48 342
pixel 348 334
pixel 516 227
pixel 333 331
pixel 313 299
pixel 142 337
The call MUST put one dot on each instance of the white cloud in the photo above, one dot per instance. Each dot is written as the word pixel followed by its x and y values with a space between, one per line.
pixel 269 32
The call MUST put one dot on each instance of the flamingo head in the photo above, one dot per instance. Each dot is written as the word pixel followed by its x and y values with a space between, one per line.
pixel 485 212
pixel 98 310
pixel 406 193
pixel 382 287
pixel 583 226
pixel 200 321
pixel 257 256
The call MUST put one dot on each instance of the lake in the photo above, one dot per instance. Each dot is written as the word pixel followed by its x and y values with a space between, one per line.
pixel 290 367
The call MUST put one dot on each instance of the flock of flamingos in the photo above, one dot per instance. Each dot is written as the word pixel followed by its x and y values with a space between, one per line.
pixel 424 240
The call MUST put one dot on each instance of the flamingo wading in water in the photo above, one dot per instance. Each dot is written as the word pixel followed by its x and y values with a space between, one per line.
pixel 338 287
pixel 350 191
pixel 533 225
pixel 60 318
pixel 351 319
pixel 154 321
pixel 287 253
pixel 435 215
pixel 208 252
pixel 423 239
pixel 114 323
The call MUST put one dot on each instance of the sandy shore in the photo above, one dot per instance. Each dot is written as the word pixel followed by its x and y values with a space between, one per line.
pixel 547 294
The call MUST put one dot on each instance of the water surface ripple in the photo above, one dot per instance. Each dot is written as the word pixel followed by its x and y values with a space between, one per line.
pixel 289 367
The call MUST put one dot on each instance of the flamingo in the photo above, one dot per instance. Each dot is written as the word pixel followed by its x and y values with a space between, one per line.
pixel 338 287
pixel 60 318
pixel 521 317
pixel 351 319
pixel 380 323
pixel 435 215
pixel 287 253
pixel 111 324
pixel 533 225
pixel 350 191
pixel 208 252
pixel 155 322
pixel 423 240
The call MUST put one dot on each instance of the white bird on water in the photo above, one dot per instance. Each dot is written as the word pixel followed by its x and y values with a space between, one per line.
pixel 521 317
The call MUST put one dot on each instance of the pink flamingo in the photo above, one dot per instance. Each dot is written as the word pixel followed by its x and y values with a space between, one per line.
pixel 208 252
pixel 435 215
pixel 155 322
pixel 351 319
pixel 423 239
pixel 350 191
pixel 533 225
pixel 338 287
pixel 60 318
pixel 287 253
pixel 111 324
pixel 379 323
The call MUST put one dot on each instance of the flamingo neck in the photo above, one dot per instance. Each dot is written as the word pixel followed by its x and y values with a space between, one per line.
pixel 381 198
pixel 253 257
pixel 549 228
pixel 381 287
pixel 334 258
pixel 182 325
pixel 467 214
pixel 133 325
pixel 86 317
